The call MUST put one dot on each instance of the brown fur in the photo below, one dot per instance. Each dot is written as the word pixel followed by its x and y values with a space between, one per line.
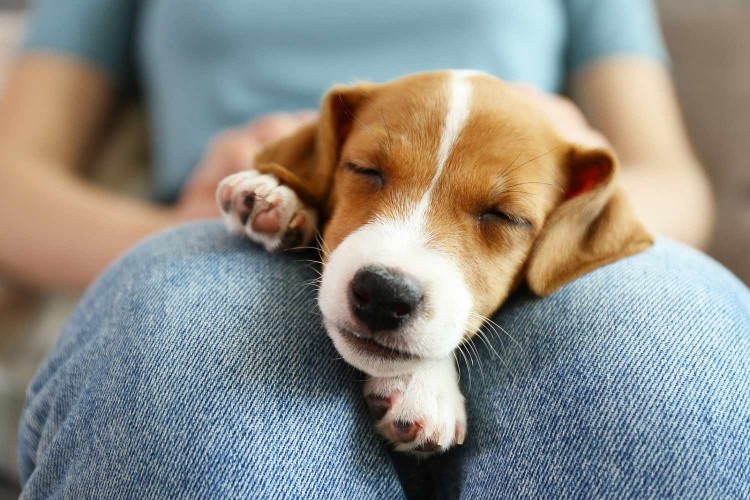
pixel 507 156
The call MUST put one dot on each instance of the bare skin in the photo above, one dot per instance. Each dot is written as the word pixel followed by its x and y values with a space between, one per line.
pixel 60 231
pixel 632 102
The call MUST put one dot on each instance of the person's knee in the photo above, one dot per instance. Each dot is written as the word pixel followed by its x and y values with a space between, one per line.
pixel 205 258
pixel 195 293
pixel 671 319
pixel 196 338
pixel 179 288
pixel 668 296
pixel 642 363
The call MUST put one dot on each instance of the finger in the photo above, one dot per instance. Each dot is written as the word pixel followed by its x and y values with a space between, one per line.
pixel 307 115
pixel 229 152
pixel 237 154
pixel 275 126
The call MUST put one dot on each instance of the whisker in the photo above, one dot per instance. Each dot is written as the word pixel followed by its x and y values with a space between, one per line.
pixel 323 247
pixel 502 359
pixel 497 334
pixel 479 360
pixel 468 353
pixel 315 268
pixel 311 261
pixel 492 330
pixel 359 122
pixel 468 368
pixel 518 191
pixel 511 165
pixel 300 248
pixel 506 333
pixel 538 182
pixel 301 291
pixel 385 126
pixel 481 335
pixel 533 159
pixel 458 365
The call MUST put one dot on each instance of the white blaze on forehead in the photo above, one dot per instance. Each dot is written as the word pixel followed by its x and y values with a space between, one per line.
pixel 399 241
pixel 459 106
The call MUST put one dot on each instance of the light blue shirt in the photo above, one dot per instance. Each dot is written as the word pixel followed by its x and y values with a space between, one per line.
pixel 204 65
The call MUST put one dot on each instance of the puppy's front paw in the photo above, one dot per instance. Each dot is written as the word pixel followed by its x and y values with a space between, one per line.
pixel 264 210
pixel 422 413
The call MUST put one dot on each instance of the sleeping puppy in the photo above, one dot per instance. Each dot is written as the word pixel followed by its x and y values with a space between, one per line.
pixel 438 194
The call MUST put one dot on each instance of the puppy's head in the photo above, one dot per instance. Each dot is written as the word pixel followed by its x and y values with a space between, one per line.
pixel 442 192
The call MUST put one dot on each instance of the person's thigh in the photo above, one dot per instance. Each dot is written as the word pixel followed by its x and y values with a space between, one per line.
pixel 197 366
pixel 632 381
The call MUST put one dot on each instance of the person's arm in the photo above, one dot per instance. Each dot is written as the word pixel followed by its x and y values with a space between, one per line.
pixel 58 230
pixel 617 73
pixel 632 102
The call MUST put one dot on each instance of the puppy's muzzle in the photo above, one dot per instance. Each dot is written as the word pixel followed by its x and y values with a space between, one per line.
pixel 384 299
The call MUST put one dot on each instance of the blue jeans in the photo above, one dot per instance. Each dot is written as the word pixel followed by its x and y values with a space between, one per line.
pixel 197 367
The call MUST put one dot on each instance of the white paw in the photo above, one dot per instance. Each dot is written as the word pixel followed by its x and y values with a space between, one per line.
pixel 422 413
pixel 267 212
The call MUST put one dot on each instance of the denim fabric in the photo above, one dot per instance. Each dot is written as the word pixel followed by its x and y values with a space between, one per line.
pixel 197 367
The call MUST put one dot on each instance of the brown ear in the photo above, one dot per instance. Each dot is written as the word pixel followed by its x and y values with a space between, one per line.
pixel 307 159
pixel 591 228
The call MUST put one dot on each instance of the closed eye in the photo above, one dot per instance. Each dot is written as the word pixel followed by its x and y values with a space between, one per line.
pixel 372 174
pixel 500 217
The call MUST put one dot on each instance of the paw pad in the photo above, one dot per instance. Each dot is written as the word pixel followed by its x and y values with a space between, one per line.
pixel 266 211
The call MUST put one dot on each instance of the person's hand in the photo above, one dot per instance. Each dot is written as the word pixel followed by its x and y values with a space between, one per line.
pixel 564 115
pixel 231 151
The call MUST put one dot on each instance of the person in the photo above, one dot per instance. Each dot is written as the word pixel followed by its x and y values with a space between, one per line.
pixel 195 367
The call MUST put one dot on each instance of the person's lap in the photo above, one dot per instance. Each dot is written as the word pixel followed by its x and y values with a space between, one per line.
pixel 197 366
pixel 634 379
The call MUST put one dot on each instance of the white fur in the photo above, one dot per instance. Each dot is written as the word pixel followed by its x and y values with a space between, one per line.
pixel 430 396
pixel 267 189
pixel 424 389
pixel 459 106
pixel 435 333
pixel 401 241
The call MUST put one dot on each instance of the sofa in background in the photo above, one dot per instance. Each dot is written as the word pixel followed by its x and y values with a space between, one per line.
pixel 709 42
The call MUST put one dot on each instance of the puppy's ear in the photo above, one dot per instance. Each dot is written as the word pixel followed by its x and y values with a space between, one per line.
pixel 592 227
pixel 307 159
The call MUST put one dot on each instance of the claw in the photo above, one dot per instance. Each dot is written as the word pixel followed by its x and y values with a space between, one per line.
pixel 378 406
pixel 460 435
pixel 298 221
pixel 225 198
pixel 293 238
pixel 428 446
pixel 262 190
pixel 405 432
pixel 248 200
pixel 260 207
pixel 274 199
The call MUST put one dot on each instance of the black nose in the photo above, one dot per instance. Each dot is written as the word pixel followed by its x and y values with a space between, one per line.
pixel 382 298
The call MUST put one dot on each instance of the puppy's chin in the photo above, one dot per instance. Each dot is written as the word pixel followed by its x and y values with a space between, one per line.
pixel 369 357
pixel 432 334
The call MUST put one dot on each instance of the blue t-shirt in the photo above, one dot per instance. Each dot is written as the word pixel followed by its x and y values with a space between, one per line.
pixel 204 65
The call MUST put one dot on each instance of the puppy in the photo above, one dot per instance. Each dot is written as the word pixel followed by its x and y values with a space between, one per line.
pixel 439 194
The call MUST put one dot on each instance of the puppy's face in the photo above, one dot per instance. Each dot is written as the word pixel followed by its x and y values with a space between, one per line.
pixel 443 184
pixel 444 191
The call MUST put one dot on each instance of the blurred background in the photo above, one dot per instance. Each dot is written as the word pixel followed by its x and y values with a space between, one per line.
pixel 709 42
